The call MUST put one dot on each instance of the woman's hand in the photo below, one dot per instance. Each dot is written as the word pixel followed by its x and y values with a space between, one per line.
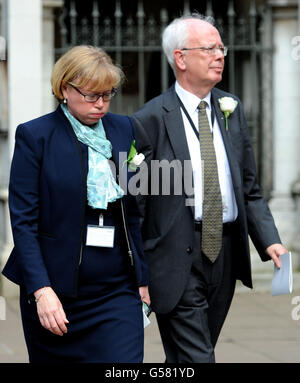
pixel 50 311
pixel 144 293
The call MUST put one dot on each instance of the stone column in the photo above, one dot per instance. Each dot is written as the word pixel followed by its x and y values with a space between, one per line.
pixel 24 67
pixel 299 17
pixel 30 46
pixel 24 62
pixel 48 50
pixel 286 108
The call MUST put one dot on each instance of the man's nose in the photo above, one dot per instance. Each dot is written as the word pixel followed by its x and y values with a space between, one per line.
pixel 219 54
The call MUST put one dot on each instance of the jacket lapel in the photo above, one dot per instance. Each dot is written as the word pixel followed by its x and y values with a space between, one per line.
pixel 120 139
pixel 233 163
pixel 174 125
pixel 112 136
pixel 176 133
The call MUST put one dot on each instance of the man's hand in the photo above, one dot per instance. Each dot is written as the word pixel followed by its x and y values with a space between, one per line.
pixel 50 311
pixel 274 251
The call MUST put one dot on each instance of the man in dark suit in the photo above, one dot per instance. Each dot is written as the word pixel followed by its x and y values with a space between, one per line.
pixel 192 279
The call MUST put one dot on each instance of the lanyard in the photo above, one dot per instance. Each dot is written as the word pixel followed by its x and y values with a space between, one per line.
pixel 191 121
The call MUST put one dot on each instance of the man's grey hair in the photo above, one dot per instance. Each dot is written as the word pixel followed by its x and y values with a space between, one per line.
pixel 175 35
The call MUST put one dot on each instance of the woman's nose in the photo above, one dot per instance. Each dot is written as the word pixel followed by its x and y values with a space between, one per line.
pixel 99 102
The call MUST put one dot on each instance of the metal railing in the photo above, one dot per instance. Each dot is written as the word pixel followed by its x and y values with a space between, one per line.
pixel 134 41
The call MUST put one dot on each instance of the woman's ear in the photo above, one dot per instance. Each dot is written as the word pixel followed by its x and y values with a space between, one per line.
pixel 64 91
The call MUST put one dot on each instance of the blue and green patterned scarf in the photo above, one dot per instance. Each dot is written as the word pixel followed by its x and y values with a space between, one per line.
pixel 101 185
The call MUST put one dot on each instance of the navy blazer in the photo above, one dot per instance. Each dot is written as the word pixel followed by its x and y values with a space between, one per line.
pixel 47 200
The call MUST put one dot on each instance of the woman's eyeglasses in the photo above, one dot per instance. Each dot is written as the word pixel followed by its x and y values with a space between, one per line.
pixel 106 96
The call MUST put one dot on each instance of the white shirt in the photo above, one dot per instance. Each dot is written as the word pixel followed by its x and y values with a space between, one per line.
pixel 191 102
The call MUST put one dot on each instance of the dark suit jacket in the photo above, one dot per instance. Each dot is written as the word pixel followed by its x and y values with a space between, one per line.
pixel 168 227
pixel 47 199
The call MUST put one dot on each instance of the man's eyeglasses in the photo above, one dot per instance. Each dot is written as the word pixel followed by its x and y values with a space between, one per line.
pixel 209 50
pixel 106 96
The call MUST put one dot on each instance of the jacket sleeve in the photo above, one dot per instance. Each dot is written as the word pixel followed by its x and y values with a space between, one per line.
pixel 134 220
pixel 24 209
pixel 261 225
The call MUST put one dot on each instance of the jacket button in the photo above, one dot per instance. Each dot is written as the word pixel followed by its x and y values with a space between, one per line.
pixel 189 250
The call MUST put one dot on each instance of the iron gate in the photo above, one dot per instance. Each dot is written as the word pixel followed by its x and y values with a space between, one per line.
pixel 130 31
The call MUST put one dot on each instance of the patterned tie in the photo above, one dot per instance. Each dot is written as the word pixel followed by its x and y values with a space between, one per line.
pixel 212 218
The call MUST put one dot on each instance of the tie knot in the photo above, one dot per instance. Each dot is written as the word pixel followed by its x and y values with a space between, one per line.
pixel 202 106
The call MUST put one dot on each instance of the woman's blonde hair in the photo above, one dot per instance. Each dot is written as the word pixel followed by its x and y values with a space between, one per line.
pixel 85 64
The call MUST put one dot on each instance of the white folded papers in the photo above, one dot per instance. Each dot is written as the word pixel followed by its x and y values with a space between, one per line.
pixel 146 320
pixel 282 282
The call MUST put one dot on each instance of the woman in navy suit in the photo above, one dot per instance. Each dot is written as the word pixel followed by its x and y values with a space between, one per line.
pixel 77 253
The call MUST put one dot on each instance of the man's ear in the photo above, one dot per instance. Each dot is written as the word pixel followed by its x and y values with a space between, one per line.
pixel 179 58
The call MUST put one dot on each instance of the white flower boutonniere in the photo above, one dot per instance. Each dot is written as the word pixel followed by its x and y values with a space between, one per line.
pixel 227 105
pixel 134 158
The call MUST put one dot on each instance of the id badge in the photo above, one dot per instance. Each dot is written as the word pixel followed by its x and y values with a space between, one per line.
pixel 100 236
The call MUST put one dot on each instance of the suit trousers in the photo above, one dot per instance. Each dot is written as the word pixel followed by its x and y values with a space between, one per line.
pixel 190 331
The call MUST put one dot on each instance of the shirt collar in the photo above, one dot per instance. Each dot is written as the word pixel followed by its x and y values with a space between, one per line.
pixel 189 100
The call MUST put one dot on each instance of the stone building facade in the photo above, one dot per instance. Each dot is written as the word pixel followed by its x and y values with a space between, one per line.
pixel 263 68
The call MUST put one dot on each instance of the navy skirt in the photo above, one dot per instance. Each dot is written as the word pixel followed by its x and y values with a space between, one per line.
pixel 106 320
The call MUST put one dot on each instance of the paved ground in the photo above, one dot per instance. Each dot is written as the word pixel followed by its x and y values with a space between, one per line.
pixel 259 329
